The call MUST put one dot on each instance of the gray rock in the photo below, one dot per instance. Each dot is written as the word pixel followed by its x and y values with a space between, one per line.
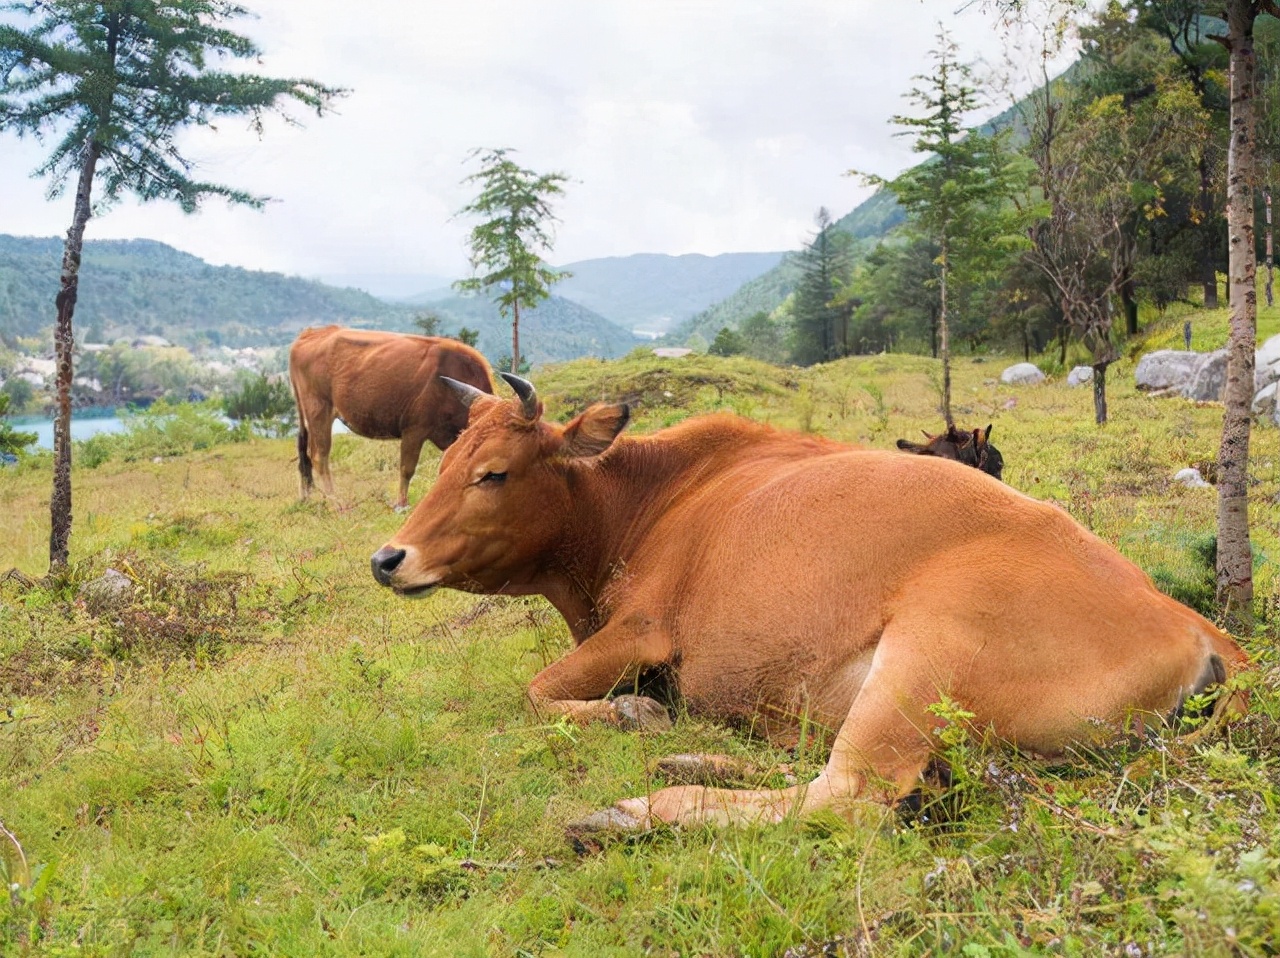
pixel 1080 375
pixel 110 589
pixel 1190 478
pixel 1266 364
pixel 1022 374
pixel 1165 368
pixel 1264 402
pixel 1208 379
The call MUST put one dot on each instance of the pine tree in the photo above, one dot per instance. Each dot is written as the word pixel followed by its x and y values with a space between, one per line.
pixel 515 204
pixel 112 84
pixel 954 198
pixel 820 329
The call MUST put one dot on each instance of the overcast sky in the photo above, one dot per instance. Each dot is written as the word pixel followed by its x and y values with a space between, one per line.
pixel 686 126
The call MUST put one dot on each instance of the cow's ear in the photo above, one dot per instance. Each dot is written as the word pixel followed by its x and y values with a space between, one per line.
pixel 907 446
pixel 595 430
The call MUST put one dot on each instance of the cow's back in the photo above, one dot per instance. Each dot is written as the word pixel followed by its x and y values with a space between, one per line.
pixel 779 578
pixel 383 384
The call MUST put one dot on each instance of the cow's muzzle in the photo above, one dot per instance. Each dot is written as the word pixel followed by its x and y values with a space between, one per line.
pixel 385 562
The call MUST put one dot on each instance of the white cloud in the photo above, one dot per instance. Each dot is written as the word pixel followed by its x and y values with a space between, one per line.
pixel 686 126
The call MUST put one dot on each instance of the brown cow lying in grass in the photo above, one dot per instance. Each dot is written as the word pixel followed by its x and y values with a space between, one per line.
pixel 971 448
pixel 777 576
pixel 383 386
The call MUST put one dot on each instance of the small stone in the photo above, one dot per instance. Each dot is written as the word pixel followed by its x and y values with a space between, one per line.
pixel 590 835
pixel 109 589
pixel 1190 478
pixel 639 712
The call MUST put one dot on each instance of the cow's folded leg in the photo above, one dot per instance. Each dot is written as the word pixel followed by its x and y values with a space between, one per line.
pixel 878 756
pixel 577 684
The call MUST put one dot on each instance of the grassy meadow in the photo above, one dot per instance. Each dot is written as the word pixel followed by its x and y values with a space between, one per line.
pixel 263 753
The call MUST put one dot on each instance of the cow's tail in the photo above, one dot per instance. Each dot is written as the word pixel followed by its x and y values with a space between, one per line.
pixel 304 458
pixel 1229 660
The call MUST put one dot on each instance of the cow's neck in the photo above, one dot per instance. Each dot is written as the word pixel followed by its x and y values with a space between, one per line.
pixel 617 502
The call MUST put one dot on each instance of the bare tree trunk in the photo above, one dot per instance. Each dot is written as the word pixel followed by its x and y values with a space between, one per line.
pixel 1100 393
pixel 515 338
pixel 945 337
pixel 1208 275
pixel 1129 298
pixel 64 345
pixel 1266 195
pixel 1235 555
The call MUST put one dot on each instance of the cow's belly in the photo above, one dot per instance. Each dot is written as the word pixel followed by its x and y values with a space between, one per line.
pixel 775 684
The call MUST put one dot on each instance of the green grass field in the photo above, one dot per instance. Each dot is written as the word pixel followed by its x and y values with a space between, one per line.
pixel 263 753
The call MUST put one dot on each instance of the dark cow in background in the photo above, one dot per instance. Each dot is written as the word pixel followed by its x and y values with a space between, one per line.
pixel 971 448
pixel 382 386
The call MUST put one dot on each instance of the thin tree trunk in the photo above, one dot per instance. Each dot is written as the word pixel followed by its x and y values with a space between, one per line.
pixel 1128 297
pixel 1208 274
pixel 1100 393
pixel 945 337
pixel 1235 555
pixel 515 338
pixel 1266 195
pixel 64 345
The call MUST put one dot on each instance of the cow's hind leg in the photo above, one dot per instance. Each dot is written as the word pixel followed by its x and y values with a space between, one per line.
pixel 878 757
pixel 410 450
pixel 320 441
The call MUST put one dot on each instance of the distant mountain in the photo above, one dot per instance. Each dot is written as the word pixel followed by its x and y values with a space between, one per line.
pixel 136 287
pixel 652 292
pixel 132 287
pixel 394 287
pixel 868 222
pixel 557 329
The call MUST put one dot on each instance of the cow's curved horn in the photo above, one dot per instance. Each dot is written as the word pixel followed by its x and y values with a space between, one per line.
pixel 524 389
pixel 466 393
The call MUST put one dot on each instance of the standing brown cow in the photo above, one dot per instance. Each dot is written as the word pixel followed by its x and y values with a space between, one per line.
pixel 780 577
pixel 382 386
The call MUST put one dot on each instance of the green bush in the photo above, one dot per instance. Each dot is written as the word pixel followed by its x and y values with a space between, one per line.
pixel 162 429
pixel 265 403
pixel 12 441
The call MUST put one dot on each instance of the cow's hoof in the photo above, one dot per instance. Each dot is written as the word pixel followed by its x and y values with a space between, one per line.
pixel 590 835
pixel 640 712
pixel 706 770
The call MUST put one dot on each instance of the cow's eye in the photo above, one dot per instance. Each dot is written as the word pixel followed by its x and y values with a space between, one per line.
pixel 493 477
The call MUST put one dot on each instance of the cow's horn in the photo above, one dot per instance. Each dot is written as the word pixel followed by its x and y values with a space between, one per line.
pixel 467 393
pixel 524 389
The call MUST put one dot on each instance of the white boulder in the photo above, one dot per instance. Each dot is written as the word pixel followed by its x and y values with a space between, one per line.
pixel 1208 379
pixel 1022 374
pixel 1166 368
pixel 1080 375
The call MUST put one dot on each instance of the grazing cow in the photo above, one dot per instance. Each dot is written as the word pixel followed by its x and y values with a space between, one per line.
pixel 382 386
pixel 972 449
pixel 779 578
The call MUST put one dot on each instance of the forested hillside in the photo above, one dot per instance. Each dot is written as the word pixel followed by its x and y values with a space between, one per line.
pixel 870 220
pixel 555 330
pixel 134 287
pixel 129 287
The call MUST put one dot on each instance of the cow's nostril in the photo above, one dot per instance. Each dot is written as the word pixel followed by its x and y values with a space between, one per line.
pixel 384 562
